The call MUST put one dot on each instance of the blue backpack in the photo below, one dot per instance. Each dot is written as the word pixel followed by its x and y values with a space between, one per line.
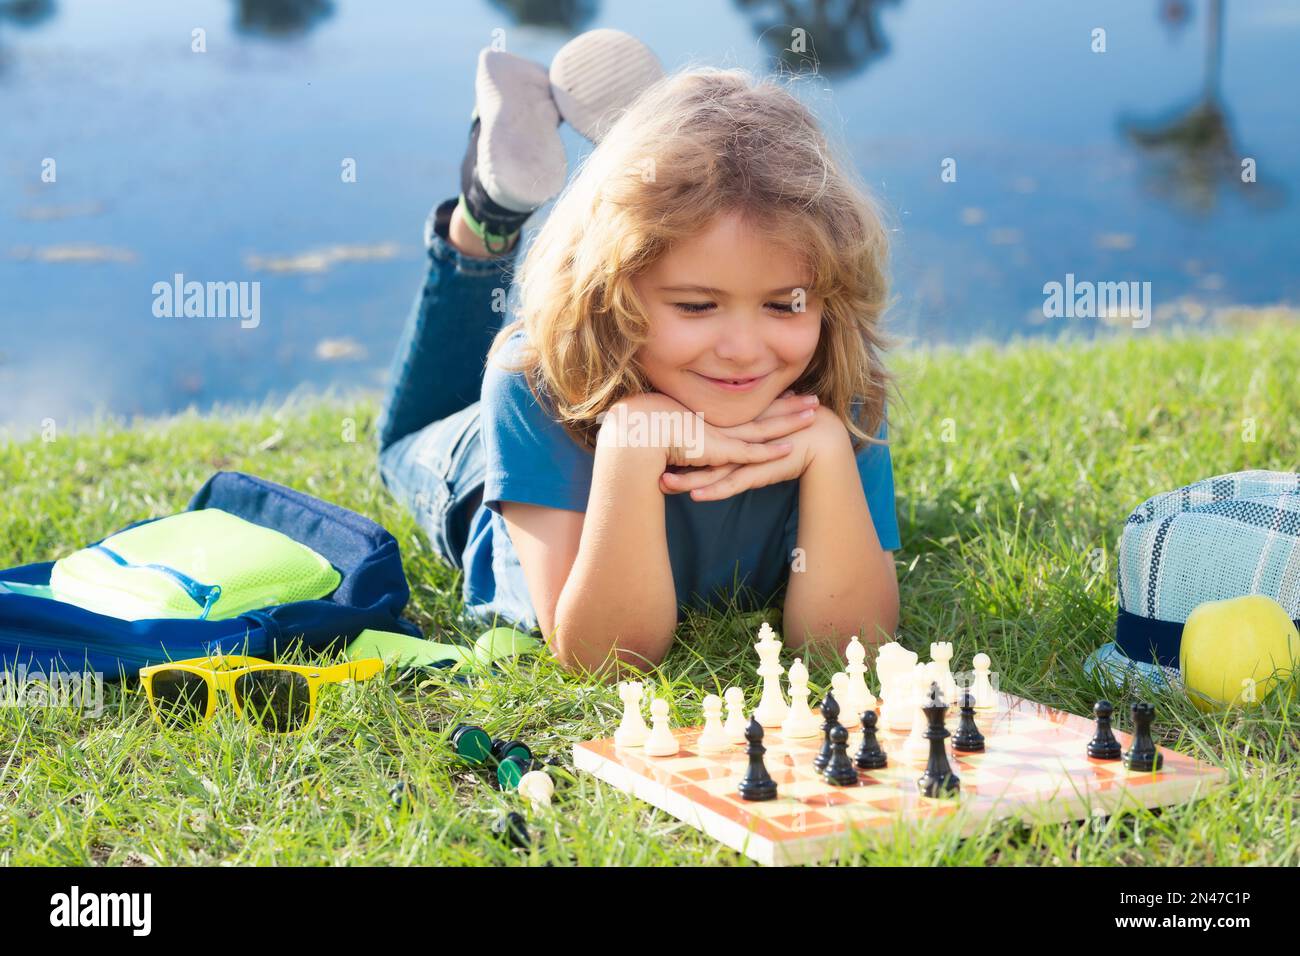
pixel 44 635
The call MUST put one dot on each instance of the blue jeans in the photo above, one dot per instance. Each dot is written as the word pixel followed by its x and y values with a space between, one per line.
pixel 430 452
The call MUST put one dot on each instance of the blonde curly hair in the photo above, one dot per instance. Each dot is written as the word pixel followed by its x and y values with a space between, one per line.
pixel 697 144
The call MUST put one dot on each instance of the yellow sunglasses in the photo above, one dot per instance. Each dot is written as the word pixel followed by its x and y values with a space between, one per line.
pixel 278 698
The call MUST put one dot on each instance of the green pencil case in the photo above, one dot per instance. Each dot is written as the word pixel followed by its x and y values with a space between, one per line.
pixel 401 650
pixel 206 564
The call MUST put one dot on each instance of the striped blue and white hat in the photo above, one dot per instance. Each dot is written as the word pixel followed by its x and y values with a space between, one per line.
pixel 1220 538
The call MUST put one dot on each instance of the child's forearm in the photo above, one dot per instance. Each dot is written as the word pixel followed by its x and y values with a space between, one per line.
pixel 619 596
pixel 843 583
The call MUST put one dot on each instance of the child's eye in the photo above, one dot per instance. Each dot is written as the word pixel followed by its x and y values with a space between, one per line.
pixel 693 308
pixel 786 307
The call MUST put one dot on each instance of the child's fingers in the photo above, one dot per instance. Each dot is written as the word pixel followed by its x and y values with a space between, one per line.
pixel 787 404
pixel 765 429
pixel 743 478
pixel 674 483
pixel 752 453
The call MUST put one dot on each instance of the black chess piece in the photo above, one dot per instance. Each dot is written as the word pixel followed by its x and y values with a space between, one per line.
pixel 938 779
pixel 758 783
pixel 1103 745
pixel 968 738
pixel 840 772
pixel 830 718
pixel 471 743
pixel 513 830
pixel 1143 754
pixel 870 756
pixel 503 747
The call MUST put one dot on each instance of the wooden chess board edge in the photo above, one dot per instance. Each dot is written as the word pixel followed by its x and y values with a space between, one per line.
pixel 677 804
pixel 1062 806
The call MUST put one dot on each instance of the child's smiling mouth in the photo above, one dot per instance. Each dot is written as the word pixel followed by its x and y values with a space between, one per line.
pixel 733 384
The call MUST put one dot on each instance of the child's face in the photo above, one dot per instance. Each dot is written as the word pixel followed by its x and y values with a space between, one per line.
pixel 723 306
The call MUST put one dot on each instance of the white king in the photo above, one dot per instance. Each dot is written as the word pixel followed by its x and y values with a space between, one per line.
pixel 772 709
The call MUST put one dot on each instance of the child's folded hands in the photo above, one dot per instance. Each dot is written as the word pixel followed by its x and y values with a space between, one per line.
pixel 775 446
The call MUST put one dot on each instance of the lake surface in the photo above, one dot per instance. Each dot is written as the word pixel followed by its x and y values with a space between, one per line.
pixel 225 166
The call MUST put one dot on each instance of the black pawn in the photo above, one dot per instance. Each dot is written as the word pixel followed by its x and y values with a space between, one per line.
pixel 968 738
pixel 870 756
pixel 1143 754
pixel 1103 745
pixel 830 718
pixel 938 779
pixel 513 831
pixel 758 783
pixel 840 771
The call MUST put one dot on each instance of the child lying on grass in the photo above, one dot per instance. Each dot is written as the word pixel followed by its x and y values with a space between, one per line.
pixel 692 395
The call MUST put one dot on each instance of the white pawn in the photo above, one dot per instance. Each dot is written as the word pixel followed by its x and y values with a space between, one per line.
pixel 986 697
pixel 632 731
pixel 840 688
pixel 713 738
pixel 860 697
pixel 736 723
pixel 800 722
pixel 941 655
pixel 661 742
pixel 538 787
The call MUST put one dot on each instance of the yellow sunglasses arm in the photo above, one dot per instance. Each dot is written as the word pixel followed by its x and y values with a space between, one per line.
pixel 363 669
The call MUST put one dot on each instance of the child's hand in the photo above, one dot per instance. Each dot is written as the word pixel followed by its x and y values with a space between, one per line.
pixel 727 469
pixel 678 438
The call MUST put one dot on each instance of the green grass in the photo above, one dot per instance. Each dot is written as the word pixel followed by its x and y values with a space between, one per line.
pixel 1009 532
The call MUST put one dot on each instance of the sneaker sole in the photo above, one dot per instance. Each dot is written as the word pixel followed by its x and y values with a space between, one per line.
pixel 597 75
pixel 520 161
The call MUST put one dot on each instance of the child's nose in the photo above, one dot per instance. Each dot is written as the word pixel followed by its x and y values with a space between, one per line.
pixel 740 342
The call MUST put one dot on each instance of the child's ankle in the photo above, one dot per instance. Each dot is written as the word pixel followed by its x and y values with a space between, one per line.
pixel 471 243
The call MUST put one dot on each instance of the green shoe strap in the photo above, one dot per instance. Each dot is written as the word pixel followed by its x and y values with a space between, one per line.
pixel 495 243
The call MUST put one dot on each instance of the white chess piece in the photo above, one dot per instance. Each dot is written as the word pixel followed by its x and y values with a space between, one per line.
pixel 771 709
pixel 800 722
pixel 736 722
pixel 894 665
pixel 886 670
pixel 537 786
pixel 840 688
pixel 941 654
pixel 632 731
pixel 661 742
pixel 713 738
pixel 986 698
pixel 860 697
pixel 900 715
pixel 917 748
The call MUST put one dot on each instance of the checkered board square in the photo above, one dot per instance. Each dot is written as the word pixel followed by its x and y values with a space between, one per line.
pixel 1035 766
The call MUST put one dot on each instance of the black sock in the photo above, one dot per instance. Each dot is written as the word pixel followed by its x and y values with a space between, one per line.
pixel 495 219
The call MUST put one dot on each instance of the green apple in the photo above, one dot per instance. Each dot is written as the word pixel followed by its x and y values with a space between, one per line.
pixel 1234 652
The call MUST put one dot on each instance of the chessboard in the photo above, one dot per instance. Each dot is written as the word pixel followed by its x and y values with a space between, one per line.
pixel 1034 767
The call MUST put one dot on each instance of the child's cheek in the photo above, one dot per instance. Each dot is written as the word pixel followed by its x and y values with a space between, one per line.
pixel 801 338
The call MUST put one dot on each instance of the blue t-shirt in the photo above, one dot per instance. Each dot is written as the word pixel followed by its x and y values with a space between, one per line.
pixel 713 546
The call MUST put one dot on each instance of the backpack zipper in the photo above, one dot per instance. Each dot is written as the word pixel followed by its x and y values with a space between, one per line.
pixel 204 595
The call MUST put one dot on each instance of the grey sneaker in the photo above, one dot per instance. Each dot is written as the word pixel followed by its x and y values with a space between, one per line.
pixel 597 75
pixel 515 160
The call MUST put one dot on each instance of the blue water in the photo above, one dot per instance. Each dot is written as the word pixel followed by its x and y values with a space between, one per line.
pixel 213 164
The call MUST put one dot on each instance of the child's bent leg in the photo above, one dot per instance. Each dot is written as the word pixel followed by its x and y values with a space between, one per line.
pixel 437 473
pixel 438 368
